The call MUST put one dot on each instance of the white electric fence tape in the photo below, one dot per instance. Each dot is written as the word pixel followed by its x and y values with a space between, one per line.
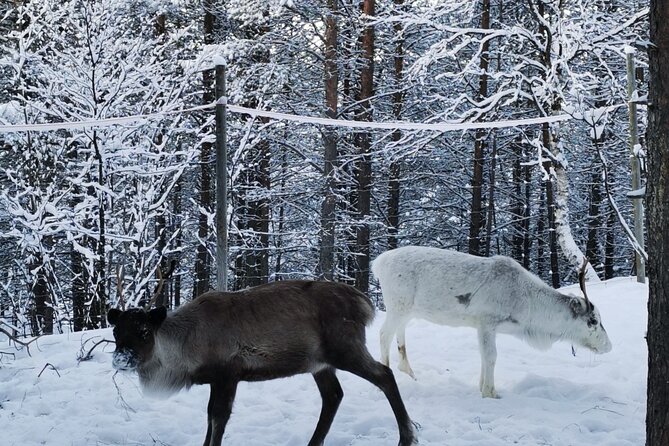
pixel 436 127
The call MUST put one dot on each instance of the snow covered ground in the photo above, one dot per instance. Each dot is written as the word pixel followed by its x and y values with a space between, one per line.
pixel 547 398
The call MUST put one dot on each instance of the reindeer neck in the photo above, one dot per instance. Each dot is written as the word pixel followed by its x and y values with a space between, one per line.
pixel 166 371
pixel 549 317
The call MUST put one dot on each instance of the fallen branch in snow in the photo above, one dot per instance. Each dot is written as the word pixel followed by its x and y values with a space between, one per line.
pixel 48 364
pixel 604 409
pixel 124 404
pixel 85 356
pixel 156 441
pixel 7 353
pixel 18 341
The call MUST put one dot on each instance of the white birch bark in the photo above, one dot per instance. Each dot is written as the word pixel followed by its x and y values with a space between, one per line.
pixel 572 253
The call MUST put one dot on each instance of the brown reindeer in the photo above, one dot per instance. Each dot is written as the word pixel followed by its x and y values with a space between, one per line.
pixel 270 331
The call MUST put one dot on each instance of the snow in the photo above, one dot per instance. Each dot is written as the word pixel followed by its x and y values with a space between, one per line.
pixel 11 112
pixel 547 398
pixel 219 60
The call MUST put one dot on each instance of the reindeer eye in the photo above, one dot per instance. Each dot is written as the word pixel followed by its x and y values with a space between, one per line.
pixel 592 321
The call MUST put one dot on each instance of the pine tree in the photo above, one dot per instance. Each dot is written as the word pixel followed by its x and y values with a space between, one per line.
pixel 657 415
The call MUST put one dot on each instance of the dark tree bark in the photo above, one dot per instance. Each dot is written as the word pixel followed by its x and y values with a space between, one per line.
pixel 43 312
pixel 257 259
pixel 477 220
pixel 610 245
pixel 527 242
pixel 160 29
pixel 278 238
pixel 519 205
pixel 202 259
pixel 176 210
pixel 550 210
pixel 395 170
pixel 327 248
pixel 79 281
pixel 80 277
pixel 657 134
pixel 540 233
pixel 254 184
pixel 364 168
pixel 595 218
pixel 592 247
pixel 161 229
pixel 99 305
pixel 490 218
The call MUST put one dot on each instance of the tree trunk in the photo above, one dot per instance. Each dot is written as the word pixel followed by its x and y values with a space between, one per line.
pixel 518 203
pixel 609 245
pixel 257 260
pixel 176 209
pixel 80 277
pixel 364 170
pixel 394 170
pixel 657 414
pixel 550 212
pixel 99 305
pixel 592 249
pixel 43 318
pixel 565 238
pixel 278 237
pixel 253 182
pixel 163 299
pixel 161 229
pixel 79 280
pixel 477 220
pixel 202 260
pixel 527 239
pixel 327 248
pixel 490 218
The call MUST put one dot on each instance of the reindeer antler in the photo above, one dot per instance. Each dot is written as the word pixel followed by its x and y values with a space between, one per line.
pixel 581 281
pixel 119 287
pixel 156 291
pixel 161 281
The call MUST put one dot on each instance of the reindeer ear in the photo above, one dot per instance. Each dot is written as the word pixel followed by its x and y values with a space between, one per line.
pixel 113 315
pixel 157 316
pixel 577 306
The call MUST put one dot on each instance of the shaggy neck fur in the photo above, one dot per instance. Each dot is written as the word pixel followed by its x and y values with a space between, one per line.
pixel 167 372
pixel 549 319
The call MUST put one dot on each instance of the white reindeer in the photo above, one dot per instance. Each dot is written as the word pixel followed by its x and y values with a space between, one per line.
pixel 493 295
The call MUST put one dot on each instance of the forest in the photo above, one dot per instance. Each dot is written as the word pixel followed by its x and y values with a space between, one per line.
pixel 94 216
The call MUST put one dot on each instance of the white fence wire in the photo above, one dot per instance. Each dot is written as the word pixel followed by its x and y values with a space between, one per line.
pixel 591 116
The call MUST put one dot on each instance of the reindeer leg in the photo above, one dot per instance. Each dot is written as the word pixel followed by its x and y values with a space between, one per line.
pixel 219 409
pixel 332 394
pixel 359 362
pixel 386 336
pixel 488 351
pixel 402 349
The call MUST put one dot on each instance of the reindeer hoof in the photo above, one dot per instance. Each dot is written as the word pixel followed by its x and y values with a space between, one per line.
pixel 490 394
pixel 407 369
pixel 409 442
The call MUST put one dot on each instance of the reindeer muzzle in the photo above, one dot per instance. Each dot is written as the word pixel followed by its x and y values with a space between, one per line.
pixel 124 360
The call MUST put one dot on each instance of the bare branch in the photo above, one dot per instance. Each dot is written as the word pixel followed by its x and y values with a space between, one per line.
pixel 18 341
pixel 85 356
pixel 124 404
pixel 48 364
